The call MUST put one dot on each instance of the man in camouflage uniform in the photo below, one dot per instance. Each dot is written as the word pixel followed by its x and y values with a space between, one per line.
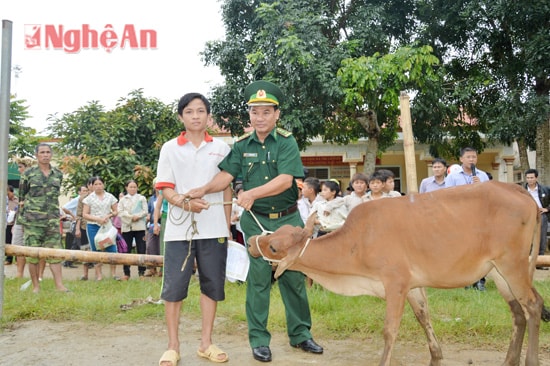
pixel 39 191
pixel 268 160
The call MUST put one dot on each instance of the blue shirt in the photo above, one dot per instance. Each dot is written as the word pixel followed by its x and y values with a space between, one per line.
pixel 429 185
pixel 460 178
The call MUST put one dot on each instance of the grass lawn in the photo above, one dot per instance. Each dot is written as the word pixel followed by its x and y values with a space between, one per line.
pixel 458 316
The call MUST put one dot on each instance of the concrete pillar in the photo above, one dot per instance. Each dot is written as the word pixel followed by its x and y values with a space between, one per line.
pixel 352 169
pixel 509 160
pixel 495 172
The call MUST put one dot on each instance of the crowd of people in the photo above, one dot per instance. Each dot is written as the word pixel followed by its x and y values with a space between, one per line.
pixel 35 209
pixel 193 212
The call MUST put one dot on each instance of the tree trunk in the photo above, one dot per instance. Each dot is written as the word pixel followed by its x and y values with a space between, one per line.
pixel 370 156
pixel 369 121
pixel 523 159
pixel 543 152
pixel 542 87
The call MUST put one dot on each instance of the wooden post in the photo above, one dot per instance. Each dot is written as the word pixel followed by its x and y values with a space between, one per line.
pixel 86 256
pixel 408 144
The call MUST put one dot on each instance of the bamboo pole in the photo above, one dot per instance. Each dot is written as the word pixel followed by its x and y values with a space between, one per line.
pixel 543 260
pixel 408 143
pixel 119 258
pixel 86 256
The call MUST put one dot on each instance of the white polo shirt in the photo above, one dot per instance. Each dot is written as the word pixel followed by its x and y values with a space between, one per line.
pixel 182 166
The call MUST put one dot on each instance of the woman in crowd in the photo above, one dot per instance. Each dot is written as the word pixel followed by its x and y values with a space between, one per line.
pixel 99 208
pixel 132 210
pixel 152 242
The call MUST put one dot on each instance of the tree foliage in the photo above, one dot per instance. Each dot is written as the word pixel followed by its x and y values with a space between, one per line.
pixel 495 68
pixel 117 145
pixel 23 139
pixel 299 45
pixel 334 60
pixel 492 79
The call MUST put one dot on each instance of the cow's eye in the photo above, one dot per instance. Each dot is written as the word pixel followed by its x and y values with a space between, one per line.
pixel 273 250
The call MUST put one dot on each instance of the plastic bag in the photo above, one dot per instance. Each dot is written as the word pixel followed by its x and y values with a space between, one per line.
pixel 121 245
pixel 11 217
pixel 237 262
pixel 105 237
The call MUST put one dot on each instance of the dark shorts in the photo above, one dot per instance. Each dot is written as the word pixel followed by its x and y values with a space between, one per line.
pixel 211 256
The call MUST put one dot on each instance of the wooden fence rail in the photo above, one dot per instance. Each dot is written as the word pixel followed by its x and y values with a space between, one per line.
pixel 119 258
pixel 86 256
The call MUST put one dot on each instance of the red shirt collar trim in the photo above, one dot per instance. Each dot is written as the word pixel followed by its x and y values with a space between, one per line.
pixel 182 140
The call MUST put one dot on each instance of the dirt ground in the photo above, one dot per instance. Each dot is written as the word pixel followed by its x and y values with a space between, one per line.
pixel 43 343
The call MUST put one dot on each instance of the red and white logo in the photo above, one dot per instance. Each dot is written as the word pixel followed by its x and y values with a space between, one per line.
pixel 32 36
pixel 58 37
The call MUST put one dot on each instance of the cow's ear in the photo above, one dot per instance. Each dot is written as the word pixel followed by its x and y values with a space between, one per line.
pixel 287 261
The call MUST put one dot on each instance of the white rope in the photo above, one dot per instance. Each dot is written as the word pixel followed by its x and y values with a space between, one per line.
pixel 192 229
pixel 304 248
pixel 268 260
pixel 264 231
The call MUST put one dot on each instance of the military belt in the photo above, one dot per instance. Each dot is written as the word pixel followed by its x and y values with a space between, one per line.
pixel 278 215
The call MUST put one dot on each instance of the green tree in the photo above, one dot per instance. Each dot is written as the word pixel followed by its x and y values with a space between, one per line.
pixel 496 69
pixel 300 46
pixel 117 145
pixel 23 139
pixel 490 87
pixel 371 88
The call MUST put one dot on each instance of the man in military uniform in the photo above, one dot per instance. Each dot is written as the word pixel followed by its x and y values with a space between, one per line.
pixel 39 191
pixel 268 160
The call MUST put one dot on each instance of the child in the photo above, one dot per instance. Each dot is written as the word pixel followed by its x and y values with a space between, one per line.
pixel 376 185
pixel 388 178
pixel 331 212
pixel 359 184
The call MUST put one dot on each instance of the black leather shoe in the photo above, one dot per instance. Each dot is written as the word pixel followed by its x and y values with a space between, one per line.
pixel 309 346
pixel 479 286
pixel 545 315
pixel 262 354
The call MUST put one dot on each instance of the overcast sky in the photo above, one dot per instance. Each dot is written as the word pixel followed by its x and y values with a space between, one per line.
pixel 57 81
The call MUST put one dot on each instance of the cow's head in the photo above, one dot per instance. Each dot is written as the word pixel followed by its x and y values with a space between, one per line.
pixel 282 247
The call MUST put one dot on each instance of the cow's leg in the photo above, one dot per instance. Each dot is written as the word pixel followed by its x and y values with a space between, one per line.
pixel 526 306
pixel 419 304
pixel 534 310
pixel 395 304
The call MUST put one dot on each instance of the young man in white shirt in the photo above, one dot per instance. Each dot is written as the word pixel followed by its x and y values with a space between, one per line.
pixel 188 161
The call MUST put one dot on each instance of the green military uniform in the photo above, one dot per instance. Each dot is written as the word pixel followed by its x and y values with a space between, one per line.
pixel 40 213
pixel 258 163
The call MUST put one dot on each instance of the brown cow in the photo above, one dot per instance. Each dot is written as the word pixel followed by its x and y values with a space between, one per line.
pixel 450 238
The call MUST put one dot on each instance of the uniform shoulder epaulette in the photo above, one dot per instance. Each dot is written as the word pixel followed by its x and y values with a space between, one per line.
pixel 246 135
pixel 283 132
